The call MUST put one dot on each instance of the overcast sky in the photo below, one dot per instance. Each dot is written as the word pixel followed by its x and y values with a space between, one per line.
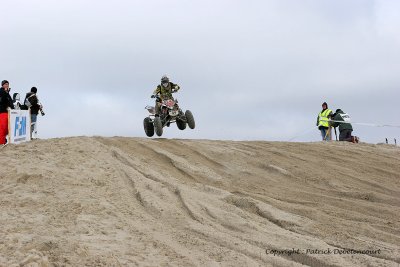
pixel 248 70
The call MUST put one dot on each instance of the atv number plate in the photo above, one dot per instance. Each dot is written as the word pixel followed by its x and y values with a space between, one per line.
pixel 173 112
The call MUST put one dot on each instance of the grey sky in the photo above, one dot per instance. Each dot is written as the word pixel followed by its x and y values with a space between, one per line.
pixel 248 69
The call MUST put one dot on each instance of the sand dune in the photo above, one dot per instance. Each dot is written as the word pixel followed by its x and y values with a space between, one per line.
pixel 154 202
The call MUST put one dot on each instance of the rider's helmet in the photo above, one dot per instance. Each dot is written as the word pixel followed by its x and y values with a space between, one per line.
pixel 164 81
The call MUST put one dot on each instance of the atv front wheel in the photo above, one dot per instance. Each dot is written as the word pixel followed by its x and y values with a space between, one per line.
pixel 181 124
pixel 190 119
pixel 148 127
pixel 158 126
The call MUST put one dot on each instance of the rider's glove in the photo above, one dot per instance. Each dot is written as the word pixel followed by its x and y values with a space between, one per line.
pixel 153 96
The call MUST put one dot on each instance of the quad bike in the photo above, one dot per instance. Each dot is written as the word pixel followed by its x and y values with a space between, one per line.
pixel 170 113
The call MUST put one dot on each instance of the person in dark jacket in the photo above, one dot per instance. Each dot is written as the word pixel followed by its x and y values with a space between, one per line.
pixel 6 103
pixel 345 127
pixel 32 102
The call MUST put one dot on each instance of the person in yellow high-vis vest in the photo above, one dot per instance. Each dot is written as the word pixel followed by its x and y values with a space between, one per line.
pixel 323 122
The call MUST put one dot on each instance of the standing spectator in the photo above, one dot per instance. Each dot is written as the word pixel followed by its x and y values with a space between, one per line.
pixel 323 122
pixel 16 101
pixel 5 104
pixel 32 102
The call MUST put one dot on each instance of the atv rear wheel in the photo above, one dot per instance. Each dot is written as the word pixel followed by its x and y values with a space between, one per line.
pixel 190 119
pixel 148 127
pixel 158 126
pixel 181 124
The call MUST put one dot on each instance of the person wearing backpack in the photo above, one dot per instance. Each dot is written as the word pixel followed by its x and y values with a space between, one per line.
pixel 32 102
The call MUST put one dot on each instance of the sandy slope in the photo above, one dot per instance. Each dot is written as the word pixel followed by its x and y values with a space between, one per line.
pixel 155 202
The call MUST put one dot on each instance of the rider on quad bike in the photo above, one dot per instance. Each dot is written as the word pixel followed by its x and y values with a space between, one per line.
pixel 166 111
pixel 164 91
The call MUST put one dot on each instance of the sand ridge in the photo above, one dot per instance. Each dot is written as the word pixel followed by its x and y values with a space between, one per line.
pixel 94 201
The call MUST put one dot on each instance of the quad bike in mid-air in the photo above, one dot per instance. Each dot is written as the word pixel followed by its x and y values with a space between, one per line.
pixel 170 113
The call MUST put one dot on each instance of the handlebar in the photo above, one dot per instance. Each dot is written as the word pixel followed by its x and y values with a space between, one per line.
pixel 158 96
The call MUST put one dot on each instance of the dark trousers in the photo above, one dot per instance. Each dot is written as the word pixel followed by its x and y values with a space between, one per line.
pixel 345 135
